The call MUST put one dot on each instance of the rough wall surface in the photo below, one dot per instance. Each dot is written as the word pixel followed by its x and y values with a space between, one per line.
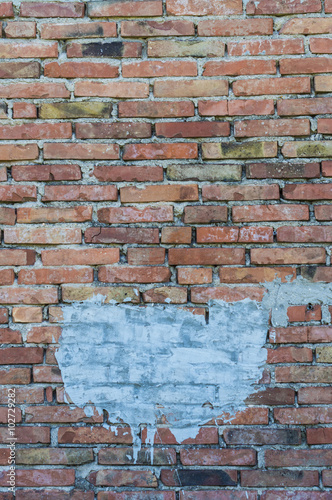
pixel 170 152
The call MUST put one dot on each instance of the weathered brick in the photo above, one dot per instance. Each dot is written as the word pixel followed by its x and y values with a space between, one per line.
pixel 44 335
pixel 42 236
pixel 156 109
pixel 17 257
pixel 9 336
pixel 204 295
pixel 268 86
pixel 242 67
pixel 263 256
pixel 218 457
pixel 322 435
pixel 146 8
pixel 184 48
pixel 124 456
pixel 323 84
pixel 235 27
pixel 204 214
pixel 304 234
pixel 31 314
pixel 148 69
pixel 56 110
pixel 104 49
pixel 81 257
pixel 9 376
pixel 145 256
pixel 55 276
pixel 52 9
pixel 265 128
pixel 312 65
pixel 205 256
pixel 54 215
pixel 215 495
pixel 266 47
pixel 9 49
pixel 12 152
pixel 128 173
pixel 262 436
pixel 323 212
pixel 36 90
pixel 191 88
pixel 203 7
pixel 168 192
pixel 176 235
pixel 166 294
pixel 122 90
pixel 7 216
pixel 307 26
pixel 94 435
pixel 255 274
pixel 275 478
pixel 259 213
pixel 304 313
pixel 127 215
pixel 206 477
pixel 145 29
pixel 194 276
pixel 312 106
pixel 84 151
pixel 30 131
pixel 24 110
pixel 78 30
pixel 308 191
pixel 41 477
pixel 282 170
pixel 240 193
pixel 121 235
pixel 303 416
pixel 19 69
pixel 21 355
pixel 124 274
pixel 213 151
pixel 112 130
pixel 6 9
pixel 204 173
pixel 28 296
pixel 119 478
pixel 278 7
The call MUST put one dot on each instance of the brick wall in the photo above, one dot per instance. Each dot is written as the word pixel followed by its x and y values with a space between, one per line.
pixel 180 148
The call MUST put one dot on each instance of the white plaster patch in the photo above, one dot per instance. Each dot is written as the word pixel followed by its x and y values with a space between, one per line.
pixel 142 363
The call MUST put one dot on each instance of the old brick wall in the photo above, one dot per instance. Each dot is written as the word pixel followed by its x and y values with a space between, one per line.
pixel 179 148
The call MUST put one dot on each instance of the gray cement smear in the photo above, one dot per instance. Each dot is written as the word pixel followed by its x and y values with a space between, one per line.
pixel 144 363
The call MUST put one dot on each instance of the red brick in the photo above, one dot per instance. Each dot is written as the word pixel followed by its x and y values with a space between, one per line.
pixel 17 257
pixel 54 495
pixel 303 416
pixel 204 7
pixel 279 7
pixel 11 152
pixel 80 69
pixel 218 457
pixel 240 193
pixel 64 151
pixel 48 375
pixel 268 86
pixel 191 88
pixel 78 30
pixel 156 109
pixel 203 295
pixel 213 108
pixel 44 335
pixel 282 170
pixel 7 216
pixel 164 192
pixel 312 106
pixel 24 110
pixel 10 376
pixel 194 276
pixel 289 355
pixel 148 69
pixel 205 256
pixel 145 29
pixel 243 67
pixel 266 128
pixel 21 355
pixel 205 435
pixel 55 276
pixel 307 65
pixel 256 234
pixel 94 435
pixel 42 236
pixel 308 191
pixel 217 234
pixel 303 374
pixel 255 274
pixel 236 150
pixel 145 256
pixel 122 90
pixel 30 314
pixel 266 47
pixel 38 49
pixel 160 151
pixel 30 131
pixel 112 130
pixel 327 477
pixel 124 274
pixel 3 315
pixel 192 129
pixel 262 436
pixel 6 9
pixel 315 395
pixel 125 215
pixel 320 45
pixel 322 435
pixel 307 26
pixel 324 126
pixel 128 173
pixel 328 6
pixel 20 29
pixel 145 456
pixel 215 495
pixel 286 256
pixel 52 9
pixel 304 234
pixel 298 458
pixel 235 27
pixel 166 294
pixel 54 215
pixel 76 192
pixel 36 90
pixel 28 296
pixel 59 414
pixel 323 212
pixel 137 235
pixel 8 336
pixel 18 69
pixel 176 235
pixel 81 257
pixel 41 477
pixel 24 395
pixel 119 478
pixel 205 214
pixel 146 8
pixel 275 478
pixel 304 313
pixel 258 213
